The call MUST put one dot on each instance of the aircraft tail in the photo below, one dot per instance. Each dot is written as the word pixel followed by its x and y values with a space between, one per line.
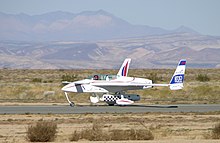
pixel 177 79
pixel 123 71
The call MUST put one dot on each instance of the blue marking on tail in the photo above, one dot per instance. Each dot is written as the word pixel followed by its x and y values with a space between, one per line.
pixel 177 79
pixel 122 72
pixel 183 62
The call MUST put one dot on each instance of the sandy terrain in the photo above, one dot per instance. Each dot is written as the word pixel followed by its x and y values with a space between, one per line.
pixel 166 127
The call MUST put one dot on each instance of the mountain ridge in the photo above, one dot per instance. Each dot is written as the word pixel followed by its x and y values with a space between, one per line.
pixel 98 40
pixel 66 26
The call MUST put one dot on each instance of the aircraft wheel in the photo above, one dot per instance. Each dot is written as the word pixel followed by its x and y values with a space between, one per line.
pixel 72 104
pixel 110 104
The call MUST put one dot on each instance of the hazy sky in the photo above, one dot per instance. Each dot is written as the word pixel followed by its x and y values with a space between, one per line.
pixel 200 15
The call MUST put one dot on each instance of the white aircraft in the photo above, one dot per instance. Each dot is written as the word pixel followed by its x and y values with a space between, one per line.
pixel 113 87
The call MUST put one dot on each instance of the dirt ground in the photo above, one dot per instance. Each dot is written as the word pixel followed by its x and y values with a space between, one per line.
pixel 166 127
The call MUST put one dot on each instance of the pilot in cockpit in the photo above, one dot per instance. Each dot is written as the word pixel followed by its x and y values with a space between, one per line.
pixel 95 77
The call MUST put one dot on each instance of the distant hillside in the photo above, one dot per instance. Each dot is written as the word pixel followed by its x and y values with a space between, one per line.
pixel 161 51
pixel 98 40
pixel 65 26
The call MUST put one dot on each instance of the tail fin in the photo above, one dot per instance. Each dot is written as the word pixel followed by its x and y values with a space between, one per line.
pixel 124 68
pixel 177 79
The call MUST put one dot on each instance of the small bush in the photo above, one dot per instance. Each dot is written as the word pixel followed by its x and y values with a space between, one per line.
pixel 154 77
pixel 43 131
pixel 131 134
pixel 93 134
pixel 96 133
pixel 37 80
pixel 202 77
pixel 75 136
pixel 216 131
pixel 69 77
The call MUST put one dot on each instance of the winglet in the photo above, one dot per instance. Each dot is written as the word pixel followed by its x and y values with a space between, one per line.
pixel 124 68
pixel 177 79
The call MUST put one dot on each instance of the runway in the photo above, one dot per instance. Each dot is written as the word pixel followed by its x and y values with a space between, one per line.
pixel 62 109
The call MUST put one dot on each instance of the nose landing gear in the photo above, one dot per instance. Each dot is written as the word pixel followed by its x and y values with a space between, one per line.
pixel 72 104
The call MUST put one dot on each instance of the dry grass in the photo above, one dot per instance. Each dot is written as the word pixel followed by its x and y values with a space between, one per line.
pixel 96 133
pixel 164 126
pixel 202 78
pixel 216 131
pixel 30 85
pixel 43 131
pixel 131 134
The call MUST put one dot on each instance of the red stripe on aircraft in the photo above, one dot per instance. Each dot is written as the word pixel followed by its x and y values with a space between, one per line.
pixel 125 70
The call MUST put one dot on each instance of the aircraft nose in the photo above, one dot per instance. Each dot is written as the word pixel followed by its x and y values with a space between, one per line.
pixel 69 88
pixel 64 88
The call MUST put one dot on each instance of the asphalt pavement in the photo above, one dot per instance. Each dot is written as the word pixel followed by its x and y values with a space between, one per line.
pixel 66 109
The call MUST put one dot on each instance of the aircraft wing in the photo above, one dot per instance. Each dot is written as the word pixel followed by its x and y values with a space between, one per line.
pixel 104 87
pixel 118 87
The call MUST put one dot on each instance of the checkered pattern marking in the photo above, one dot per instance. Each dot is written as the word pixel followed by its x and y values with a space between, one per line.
pixel 110 98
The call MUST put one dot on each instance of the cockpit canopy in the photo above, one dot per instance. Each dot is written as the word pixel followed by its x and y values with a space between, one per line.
pixel 102 77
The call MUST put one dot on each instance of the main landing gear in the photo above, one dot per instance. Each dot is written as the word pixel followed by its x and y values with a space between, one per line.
pixel 72 104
